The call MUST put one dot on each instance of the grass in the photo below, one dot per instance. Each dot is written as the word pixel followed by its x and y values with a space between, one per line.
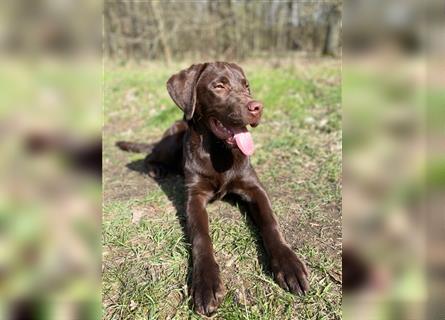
pixel 298 158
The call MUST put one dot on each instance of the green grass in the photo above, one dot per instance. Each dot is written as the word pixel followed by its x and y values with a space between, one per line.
pixel 298 158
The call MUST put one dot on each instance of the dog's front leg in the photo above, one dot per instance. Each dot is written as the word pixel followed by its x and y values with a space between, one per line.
pixel 207 289
pixel 289 271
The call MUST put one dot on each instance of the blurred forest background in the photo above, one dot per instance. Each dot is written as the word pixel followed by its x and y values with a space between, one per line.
pixel 230 29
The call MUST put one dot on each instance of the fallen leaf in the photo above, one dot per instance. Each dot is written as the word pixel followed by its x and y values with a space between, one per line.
pixel 137 214
pixel 133 305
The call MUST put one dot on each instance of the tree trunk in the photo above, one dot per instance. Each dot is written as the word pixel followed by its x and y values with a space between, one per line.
pixel 332 38
pixel 162 35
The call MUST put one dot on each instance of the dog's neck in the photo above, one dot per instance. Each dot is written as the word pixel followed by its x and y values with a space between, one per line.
pixel 222 157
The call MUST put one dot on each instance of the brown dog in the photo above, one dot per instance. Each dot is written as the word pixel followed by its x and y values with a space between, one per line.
pixel 211 147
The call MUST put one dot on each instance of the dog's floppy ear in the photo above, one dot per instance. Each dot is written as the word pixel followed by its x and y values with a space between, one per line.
pixel 182 88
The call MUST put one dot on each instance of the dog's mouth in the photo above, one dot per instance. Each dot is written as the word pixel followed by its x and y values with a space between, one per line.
pixel 234 136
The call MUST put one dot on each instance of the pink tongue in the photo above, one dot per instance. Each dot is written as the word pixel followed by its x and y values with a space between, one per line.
pixel 244 141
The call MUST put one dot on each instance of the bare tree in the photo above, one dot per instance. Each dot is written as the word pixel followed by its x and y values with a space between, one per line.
pixel 332 38
pixel 162 36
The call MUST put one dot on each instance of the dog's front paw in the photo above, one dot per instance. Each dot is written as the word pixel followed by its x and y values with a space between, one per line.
pixel 207 289
pixel 289 271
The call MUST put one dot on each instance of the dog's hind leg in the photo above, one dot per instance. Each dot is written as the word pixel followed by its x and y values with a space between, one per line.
pixel 167 154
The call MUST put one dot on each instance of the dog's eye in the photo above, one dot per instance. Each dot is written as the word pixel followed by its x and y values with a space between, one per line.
pixel 219 86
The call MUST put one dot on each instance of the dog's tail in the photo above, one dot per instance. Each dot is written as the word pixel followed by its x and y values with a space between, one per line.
pixel 135 147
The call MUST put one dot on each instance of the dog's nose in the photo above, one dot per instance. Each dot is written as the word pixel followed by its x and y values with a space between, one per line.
pixel 254 107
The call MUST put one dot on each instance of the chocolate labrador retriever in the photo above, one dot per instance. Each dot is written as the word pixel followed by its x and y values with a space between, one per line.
pixel 211 147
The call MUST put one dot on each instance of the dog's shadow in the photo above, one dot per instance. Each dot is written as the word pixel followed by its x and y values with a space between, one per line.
pixel 174 188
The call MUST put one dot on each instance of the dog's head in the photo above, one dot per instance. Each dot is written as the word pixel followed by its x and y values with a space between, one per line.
pixel 218 93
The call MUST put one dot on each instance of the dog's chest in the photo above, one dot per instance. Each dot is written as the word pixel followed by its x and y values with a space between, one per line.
pixel 218 167
pixel 222 183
